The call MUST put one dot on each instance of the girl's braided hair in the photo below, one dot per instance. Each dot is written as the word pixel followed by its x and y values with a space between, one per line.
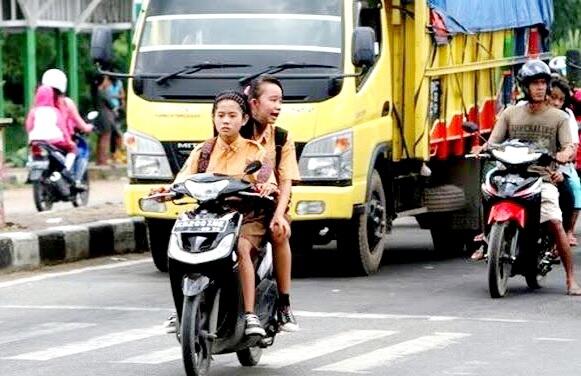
pixel 231 95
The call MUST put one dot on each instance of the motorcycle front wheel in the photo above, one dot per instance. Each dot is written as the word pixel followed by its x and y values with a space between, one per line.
pixel 42 196
pixel 502 246
pixel 195 346
pixel 250 356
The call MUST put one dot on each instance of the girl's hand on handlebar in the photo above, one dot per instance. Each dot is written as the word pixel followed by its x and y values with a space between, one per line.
pixel 266 189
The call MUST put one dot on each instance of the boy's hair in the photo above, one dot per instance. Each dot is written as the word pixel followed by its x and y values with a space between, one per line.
pixel 254 90
pixel 231 95
pixel 564 87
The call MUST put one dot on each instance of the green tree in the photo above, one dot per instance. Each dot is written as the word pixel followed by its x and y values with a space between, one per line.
pixel 567 17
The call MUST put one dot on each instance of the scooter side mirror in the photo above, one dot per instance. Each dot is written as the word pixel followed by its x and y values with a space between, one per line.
pixel 253 167
pixel 92 115
pixel 470 127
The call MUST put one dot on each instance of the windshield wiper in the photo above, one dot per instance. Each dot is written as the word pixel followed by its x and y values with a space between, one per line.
pixel 282 67
pixel 190 69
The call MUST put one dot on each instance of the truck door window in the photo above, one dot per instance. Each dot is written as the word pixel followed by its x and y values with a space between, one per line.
pixel 368 13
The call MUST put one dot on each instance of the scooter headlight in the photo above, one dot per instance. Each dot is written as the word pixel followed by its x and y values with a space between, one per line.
pixel 205 191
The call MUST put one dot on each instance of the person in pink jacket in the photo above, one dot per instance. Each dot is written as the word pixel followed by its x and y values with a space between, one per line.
pixel 46 123
pixel 57 79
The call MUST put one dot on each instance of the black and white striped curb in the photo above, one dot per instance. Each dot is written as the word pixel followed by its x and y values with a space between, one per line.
pixel 20 250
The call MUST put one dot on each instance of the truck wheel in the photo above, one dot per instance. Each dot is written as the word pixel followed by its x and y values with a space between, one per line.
pixel 362 240
pixel 159 231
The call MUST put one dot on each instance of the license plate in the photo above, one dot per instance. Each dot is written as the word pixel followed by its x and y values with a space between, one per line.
pixel 201 225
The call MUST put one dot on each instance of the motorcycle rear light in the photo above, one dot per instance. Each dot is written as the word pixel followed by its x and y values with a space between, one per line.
pixel 37 151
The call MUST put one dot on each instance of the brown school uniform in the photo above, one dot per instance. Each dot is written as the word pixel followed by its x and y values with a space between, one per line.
pixel 232 160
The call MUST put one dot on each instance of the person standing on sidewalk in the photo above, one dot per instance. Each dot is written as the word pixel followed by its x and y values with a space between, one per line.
pixel 265 95
pixel 105 121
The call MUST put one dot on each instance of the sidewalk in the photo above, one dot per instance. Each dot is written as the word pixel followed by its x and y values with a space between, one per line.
pixel 31 239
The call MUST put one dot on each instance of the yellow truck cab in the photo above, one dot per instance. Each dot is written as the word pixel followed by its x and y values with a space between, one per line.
pixel 375 96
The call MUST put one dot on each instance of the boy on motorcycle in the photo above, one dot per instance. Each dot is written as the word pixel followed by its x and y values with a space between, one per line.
pixel 229 154
pixel 265 95
pixel 538 122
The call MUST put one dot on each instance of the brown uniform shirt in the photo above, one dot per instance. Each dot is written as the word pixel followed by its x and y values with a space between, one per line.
pixel 547 129
pixel 288 169
pixel 226 159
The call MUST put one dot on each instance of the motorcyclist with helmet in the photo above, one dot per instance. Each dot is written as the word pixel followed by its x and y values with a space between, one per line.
pixel 539 123
pixel 57 79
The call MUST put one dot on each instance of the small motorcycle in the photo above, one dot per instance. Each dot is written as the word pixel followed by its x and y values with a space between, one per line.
pixel 518 244
pixel 50 180
pixel 203 243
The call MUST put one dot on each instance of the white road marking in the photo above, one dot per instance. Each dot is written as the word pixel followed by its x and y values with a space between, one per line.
pixel 308 314
pixel 156 357
pixel 388 355
pixel 45 276
pixel 91 344
pixel 45 329
pixel 310 350
pixel 548 339
pixel 87 308
pixel 382 316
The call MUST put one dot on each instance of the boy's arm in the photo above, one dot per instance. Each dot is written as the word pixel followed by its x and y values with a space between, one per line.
pixel 288 171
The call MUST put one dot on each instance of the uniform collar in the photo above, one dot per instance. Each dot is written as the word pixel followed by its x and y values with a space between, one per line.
pixel 232 147
pixel 264 138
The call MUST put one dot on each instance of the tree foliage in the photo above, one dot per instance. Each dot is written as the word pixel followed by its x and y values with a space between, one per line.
pixel 567 17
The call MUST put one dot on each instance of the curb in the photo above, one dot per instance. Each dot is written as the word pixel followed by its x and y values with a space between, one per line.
pixel 24 250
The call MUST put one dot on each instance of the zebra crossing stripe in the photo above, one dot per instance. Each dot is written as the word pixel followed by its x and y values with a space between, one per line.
pixel 310 350
pixel 92 344
pixel 156 357
pixel 45 329
pixel 386 356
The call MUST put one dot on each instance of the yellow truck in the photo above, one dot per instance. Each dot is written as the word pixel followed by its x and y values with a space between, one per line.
pixel 376 93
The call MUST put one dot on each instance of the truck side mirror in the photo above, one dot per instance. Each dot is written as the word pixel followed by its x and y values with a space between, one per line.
pixel 102 46
pixel 363 44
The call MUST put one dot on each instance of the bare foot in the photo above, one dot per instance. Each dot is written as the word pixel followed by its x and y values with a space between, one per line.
pixel 572 240
pixel 478 254
pixel 574 289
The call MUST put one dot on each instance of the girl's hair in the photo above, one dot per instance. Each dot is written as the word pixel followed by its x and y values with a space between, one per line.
pixel 562 85
pixel 255 88
pixel 231 95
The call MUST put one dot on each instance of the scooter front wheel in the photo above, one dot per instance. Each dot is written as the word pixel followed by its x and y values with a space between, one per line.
pixel 82 198
pixel 502 246
pixel 195 345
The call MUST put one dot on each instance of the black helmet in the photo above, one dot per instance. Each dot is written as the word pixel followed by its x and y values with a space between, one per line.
pixel 532 70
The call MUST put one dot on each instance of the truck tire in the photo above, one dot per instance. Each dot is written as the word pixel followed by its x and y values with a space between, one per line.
pixel 362 239
pixel 159 231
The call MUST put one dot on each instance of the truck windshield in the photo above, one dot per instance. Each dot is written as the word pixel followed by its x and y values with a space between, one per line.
pixel 241 29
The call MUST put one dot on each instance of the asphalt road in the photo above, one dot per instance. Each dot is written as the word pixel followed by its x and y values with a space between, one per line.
pixel 418 316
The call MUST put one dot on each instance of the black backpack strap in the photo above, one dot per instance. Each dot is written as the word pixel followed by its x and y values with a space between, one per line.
pixel 205 154
pixel 280 137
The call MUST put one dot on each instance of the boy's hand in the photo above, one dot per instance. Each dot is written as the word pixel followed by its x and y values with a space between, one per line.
pixel 279 226
pixel 557 177
pixel 562 157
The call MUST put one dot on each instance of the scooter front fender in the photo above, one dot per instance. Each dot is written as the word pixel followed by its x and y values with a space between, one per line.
pixel 194 286
pixel 507 211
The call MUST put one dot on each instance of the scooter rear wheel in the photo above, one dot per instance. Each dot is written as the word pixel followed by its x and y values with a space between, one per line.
pixel 249 357
pixel 195 346
pixel 42 196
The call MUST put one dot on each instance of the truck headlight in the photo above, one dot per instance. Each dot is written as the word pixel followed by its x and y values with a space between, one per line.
pixel 328 158
pixel 146 157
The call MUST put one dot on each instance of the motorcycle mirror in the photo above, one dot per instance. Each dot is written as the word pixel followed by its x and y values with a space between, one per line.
pixel 470 127
pixel 253 167
pixel 92 115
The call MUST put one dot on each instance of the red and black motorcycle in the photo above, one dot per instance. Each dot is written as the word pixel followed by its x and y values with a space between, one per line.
pixel 518 244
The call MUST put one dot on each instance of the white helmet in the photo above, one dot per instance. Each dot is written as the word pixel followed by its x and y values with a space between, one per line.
pixel 559 64
pixel 55 78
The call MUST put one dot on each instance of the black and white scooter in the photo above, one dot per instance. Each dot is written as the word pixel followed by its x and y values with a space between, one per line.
pixel 203 244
